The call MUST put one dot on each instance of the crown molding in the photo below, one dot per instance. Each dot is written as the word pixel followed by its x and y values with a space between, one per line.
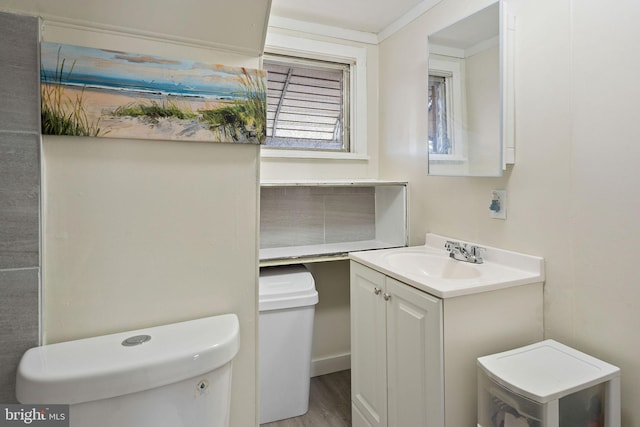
pixel 352 35
pixel 417 11
pixel 322 30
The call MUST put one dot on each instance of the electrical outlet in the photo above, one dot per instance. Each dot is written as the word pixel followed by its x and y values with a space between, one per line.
pixel 498 206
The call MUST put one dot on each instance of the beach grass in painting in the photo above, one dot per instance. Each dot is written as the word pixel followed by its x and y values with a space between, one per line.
pixel 156 110
pixel 62 115
pixel 93 92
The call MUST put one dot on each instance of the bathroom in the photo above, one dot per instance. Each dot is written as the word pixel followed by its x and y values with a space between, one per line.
pixel 139 233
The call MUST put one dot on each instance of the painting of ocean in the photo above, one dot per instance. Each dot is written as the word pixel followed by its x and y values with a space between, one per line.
pixel 105 93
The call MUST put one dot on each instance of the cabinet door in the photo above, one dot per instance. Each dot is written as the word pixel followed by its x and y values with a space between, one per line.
pixel 368 346
pixel 414 352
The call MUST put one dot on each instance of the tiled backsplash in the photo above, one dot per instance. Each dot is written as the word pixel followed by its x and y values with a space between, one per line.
pixel 20 197
pixel 316 221
pixel 19 194
pixel 298 216
pixel 18 323
pixel 19 73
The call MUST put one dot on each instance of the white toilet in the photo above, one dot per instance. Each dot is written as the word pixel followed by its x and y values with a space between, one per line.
pixel 177 375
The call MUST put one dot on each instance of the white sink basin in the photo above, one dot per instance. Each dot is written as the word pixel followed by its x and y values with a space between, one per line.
pixel 429 268
pixel 432 265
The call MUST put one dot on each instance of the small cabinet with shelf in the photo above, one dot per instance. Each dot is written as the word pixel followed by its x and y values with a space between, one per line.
pixel 413 355
pixel 308 221
pixel 547 384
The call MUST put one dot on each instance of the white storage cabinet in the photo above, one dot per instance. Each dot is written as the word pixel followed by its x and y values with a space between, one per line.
pixel 547 384
pixel 413 355
pixel 395 352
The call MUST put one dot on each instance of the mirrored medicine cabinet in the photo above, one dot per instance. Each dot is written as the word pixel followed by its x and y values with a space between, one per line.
pixel 470 104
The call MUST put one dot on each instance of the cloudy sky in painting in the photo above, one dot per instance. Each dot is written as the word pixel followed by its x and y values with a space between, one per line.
pixel 130 71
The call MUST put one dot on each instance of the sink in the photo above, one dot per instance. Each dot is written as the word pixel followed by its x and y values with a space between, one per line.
pixel 432 265
pixel 430 269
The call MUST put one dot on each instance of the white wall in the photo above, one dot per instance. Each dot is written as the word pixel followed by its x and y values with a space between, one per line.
pixel 572 194
pixel 331 348
pixel 605 205
pixel 142 233
pixel 215 23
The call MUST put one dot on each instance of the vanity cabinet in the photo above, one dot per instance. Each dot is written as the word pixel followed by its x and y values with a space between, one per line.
pixel 413 354
pixel 396 332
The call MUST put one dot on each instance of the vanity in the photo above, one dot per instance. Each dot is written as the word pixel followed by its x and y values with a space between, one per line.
pixel 419 320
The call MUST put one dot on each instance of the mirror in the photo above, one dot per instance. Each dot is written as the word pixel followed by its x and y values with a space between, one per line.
pixel 466 97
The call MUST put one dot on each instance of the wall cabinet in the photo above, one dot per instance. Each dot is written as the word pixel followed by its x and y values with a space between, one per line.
pixel 413 355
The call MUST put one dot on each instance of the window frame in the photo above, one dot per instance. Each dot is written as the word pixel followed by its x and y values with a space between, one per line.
pixel 345 99
pixel 280 44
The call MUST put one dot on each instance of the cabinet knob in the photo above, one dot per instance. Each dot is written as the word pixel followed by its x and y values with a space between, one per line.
pixel 386 296
pixel 376 291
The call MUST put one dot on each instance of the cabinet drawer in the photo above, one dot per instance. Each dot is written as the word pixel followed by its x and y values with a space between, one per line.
pixel 495 403
pixel 498 406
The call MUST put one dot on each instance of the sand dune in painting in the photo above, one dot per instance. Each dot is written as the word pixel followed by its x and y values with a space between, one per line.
pixel 100 105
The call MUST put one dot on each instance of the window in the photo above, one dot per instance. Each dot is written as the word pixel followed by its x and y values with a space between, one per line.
pixel 439 142
pixel 351 62
pixel 446 106
pixel 307 103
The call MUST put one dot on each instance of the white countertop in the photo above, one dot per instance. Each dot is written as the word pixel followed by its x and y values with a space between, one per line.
pixel 446 277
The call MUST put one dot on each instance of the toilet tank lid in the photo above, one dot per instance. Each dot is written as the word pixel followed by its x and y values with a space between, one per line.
pixel 102 367
pixel 286 287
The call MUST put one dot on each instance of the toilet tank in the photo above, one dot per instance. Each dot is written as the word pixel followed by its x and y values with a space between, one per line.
pixel 176 375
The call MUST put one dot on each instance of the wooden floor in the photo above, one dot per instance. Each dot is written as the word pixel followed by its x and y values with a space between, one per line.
pixel 329 403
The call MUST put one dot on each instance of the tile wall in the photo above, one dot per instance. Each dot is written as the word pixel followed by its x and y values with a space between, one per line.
pixel 299 216
pixel 19 194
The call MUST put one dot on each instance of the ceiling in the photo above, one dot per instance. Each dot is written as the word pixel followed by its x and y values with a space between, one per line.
pixel 480 26
pixel 223 24
pixel 216 22
pixel 371 16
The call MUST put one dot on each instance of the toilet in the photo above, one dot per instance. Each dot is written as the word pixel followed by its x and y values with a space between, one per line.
pixel 176 375
pixel 287 298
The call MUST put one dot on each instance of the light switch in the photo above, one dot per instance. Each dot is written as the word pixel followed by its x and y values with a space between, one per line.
pixel 498 206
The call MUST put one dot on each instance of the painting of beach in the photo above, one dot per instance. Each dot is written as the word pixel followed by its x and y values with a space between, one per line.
pixel 104 93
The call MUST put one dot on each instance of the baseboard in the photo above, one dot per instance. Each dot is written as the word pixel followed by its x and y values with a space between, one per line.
pixel 329 364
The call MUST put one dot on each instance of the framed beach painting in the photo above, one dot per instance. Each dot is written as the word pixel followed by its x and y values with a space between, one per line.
pixel 104 93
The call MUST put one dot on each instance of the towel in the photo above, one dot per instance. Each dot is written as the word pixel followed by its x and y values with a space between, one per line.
pixel 511 420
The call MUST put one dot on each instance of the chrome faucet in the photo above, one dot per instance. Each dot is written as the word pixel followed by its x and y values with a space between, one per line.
pixel 464 251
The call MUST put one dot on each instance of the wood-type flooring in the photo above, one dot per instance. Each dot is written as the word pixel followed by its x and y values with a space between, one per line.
pixel 329 403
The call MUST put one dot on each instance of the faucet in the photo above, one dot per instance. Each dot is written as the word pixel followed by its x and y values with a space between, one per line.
pixel 464 251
